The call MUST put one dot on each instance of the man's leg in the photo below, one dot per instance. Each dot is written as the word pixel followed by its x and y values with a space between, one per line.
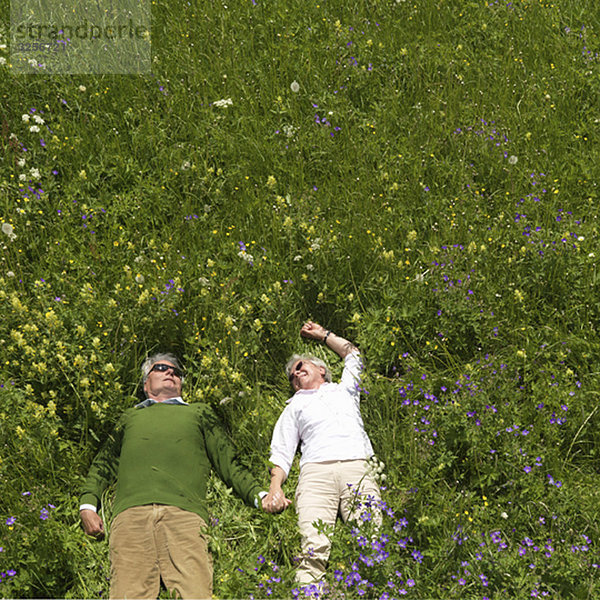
pixel 353 477
pixel 185 563
pixel 316 499
pixel 133 560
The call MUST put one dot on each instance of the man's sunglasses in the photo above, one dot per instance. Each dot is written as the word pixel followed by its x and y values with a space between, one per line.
pixel 162 368
pixel 295 368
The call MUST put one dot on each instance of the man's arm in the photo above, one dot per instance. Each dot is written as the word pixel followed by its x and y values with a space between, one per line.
pixel 92 523
pixel 102 472
pixel 275 501
pixel 314 331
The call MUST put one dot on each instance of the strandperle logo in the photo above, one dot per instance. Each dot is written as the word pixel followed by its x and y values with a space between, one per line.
pixel 68 36
pixel 85 31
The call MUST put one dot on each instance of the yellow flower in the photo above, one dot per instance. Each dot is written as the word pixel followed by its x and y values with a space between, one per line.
pixel 271 181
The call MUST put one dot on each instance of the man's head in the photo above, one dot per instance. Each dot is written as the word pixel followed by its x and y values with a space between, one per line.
pixel 307 372
pixel 162 377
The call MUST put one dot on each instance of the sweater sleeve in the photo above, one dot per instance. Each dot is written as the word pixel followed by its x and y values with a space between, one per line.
pixel 103 470
pixel 222 457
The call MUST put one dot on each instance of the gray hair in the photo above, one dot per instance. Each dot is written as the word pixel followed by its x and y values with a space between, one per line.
pixel 156 358
pixel 310 358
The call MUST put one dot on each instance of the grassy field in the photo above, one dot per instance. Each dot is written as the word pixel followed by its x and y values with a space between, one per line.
pixel 420 177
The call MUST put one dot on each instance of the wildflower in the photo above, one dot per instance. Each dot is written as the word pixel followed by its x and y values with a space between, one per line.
pixel 82 88
pixel 295 87
pixel 139 278
pixel 512 160
pixel 25 118
pixel 11 521
pixel 2 60
pixel 271 181
pixel 247 257
pixel 224 103
pixel 35 173
pixel 7 229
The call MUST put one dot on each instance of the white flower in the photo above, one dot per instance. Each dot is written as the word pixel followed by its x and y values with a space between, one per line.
pixel 34 129
pixel 32 62
pixel 7 229
pixel 186 165
pixel 38 119
pixel 504 515
pixel 203 281
pixel 289 130
pixel 580 238
pixel 309 267
pixel 512 160
pixel 139 278
pixel 25 118
pixel 22 177
pixel 247 257
pixel 35 173
pixel 82 88
pixel 295 86
pixel 223 103
pixel 2 60
pixel 10 274
pixel 21 162
pixel 297 258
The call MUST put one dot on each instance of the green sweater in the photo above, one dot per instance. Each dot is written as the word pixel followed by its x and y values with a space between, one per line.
pixel 162 454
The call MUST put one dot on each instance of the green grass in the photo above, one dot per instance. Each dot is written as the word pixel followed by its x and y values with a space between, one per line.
pixel 429 191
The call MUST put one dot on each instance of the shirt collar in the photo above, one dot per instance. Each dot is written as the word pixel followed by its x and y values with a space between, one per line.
pixel 151 401
pixel 309 392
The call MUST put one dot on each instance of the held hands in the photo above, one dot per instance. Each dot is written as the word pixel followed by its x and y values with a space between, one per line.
pixel 313 331
pixel 275 501
pixel 92 523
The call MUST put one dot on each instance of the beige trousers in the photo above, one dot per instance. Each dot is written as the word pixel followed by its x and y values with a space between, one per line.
pixel 153 541
pixel 322 492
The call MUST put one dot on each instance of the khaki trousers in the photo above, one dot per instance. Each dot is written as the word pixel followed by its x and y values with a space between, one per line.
pixel 322 492
pixel 153 541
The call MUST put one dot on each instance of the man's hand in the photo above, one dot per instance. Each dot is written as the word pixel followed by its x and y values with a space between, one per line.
pixel 313 331
pixel 92 523
pixel 275 501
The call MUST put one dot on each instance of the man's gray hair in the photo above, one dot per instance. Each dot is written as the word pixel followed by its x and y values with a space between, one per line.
pixel 156 358
pixel 310 358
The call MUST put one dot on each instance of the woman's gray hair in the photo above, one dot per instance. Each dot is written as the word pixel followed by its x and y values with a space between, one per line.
pixel 156 358
pixel 310 358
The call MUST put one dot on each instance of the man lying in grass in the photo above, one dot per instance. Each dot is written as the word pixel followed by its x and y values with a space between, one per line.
pixel 160 454
pixel 324 417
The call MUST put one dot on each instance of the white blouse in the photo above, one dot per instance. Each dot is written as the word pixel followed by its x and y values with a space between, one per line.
pixel 326 421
